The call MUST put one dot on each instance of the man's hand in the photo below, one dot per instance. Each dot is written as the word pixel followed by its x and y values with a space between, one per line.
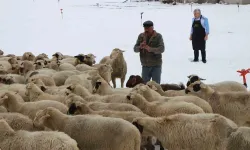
pixel 142 45
pixel 206 37
pixel 146 47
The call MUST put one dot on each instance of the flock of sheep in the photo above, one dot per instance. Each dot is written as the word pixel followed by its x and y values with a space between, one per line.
pixel 67 103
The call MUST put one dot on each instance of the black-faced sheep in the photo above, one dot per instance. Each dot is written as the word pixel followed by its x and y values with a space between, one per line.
pixel 189 131
pixel 224 86
pixel 233 105
pixel 119 65
pixel 41 140
pixel 92 131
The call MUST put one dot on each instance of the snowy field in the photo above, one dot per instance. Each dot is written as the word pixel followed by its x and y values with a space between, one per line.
pixel 38 26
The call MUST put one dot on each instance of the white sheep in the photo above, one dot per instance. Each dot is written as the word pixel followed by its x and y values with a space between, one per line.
pixel 143 90
pixel 86 95
pixel 61 76
pixel 157 109
pixel 41 140
pixel 47 80
pixel 16 88
pixel 103 88
pixel 11 103
pixel 189 131
pixel 126 115
pixel 81 79
pixel 53 90
pixel 233 105
pixel 19 121
pixel 92 131
pixel 72 99
pixel 39 64
pixel 224 86
pixel 119 65
pixel 12 78
pixel 66 66
pixel 41 56
pixel 36 94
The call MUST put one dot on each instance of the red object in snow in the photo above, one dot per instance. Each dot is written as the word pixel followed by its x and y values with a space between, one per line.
pixel 243 73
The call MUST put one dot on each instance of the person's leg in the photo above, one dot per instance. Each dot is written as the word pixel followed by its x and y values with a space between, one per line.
pixel 156 74
pixel 196 50
pixel 146 71
pixel 196 55
pixel 203 52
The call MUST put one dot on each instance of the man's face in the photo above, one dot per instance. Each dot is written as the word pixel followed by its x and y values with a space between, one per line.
pixel 148 30
pixel 197 14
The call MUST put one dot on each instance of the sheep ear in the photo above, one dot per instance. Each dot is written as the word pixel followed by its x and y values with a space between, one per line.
pixel 122 51
pixel 43 88
pixel 189 76
pixel 138 126
pixel 202 79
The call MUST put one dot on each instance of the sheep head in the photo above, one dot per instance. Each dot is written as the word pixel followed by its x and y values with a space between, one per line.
pixel 116 53
pixel 28 56
pixel 77 108
pixel 58 56
pixel 192 78
pixel 133 81
pixel 90 59
pixel 196 87
pixel 12 60
pixel 39 64
pixel 71 87
pixel 42 56
pixel 41 117
pixel 80 58
pixel 5 128
pixel 97 85
pixel 153 85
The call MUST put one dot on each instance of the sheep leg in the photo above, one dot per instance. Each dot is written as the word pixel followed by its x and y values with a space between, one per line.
pixel 113 81
pixel 122 81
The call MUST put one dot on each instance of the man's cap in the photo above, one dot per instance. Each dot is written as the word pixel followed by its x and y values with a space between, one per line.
pixel 148 24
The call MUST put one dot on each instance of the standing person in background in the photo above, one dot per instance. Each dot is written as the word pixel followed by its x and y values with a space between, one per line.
pixel 199 35
pixel 150 45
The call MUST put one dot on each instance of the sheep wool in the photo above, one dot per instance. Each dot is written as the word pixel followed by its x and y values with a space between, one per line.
pixel 42 140
pixel 189 131
pixel 233 105
pixel 92 131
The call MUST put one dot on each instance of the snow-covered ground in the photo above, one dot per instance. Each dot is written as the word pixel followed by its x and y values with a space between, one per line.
pixel 38 26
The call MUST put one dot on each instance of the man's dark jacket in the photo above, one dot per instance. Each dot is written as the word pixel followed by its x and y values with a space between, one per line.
pixel 154 56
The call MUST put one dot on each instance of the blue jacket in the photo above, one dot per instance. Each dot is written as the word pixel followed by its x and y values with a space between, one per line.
pixel 204 23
